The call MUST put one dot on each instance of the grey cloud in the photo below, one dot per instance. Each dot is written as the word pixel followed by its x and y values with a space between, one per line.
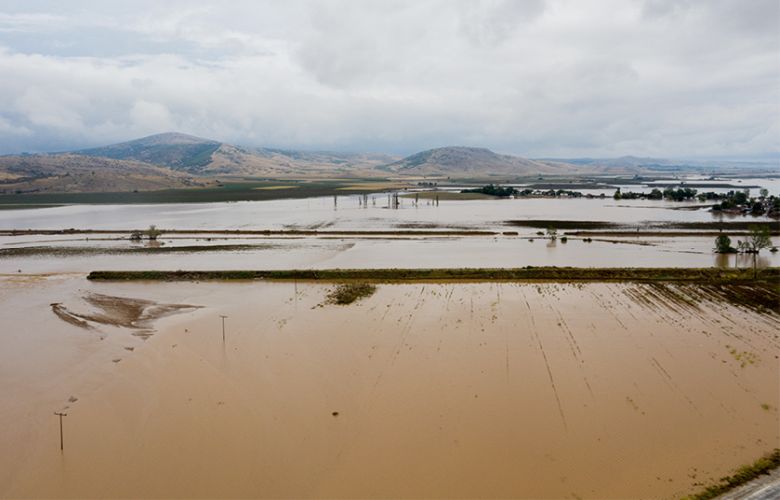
pixel 536 78
pixel 490 23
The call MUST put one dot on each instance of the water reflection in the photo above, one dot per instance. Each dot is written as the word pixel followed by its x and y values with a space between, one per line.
pixel 741 261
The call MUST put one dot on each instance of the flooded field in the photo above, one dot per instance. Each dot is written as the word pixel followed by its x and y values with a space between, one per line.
pixel 47 254
pixel 419 390
pixel 512 246
pixel 425 390
pixel 347 213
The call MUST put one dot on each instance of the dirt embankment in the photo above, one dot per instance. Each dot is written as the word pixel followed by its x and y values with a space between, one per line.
pixel 699 275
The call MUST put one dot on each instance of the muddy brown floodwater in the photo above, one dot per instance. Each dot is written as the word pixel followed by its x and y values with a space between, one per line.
pixel 420 390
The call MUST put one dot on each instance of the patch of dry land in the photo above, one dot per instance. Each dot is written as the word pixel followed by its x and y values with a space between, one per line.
pixel 417 390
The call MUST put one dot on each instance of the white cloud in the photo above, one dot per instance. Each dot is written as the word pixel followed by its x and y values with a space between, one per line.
pixel 555 78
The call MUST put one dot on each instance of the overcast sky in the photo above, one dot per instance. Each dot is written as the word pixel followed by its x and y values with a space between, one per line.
pixel 538 78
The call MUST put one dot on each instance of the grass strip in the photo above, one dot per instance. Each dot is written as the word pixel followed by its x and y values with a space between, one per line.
pixel 665 234
pixel 259 232
pixel 715 225
pixel 743 475
pixel 75 251
pixel 694 275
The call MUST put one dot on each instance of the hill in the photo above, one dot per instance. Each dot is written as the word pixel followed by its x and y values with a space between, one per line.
pixel 473 162
pixel 199 156
pixel 233 160
pixel 72 173
pixel 174 150
pixel 660 166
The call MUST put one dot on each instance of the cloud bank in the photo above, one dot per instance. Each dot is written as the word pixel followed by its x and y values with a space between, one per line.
pixel 534 78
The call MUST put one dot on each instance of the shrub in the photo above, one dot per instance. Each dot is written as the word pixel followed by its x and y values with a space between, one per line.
pixel 348 293
pixel 723 244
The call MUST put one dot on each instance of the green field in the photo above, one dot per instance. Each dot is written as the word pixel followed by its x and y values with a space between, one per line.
pixel 233 190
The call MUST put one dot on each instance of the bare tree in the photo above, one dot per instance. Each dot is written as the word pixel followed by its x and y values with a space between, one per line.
pixel 757 240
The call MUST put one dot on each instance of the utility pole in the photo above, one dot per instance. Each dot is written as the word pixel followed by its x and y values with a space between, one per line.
pixel 223 327
pixel 60 414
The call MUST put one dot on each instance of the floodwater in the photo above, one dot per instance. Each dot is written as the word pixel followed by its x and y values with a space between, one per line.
pixel 364 252
pixel 367 253
pixel 348 214
pixel 421 390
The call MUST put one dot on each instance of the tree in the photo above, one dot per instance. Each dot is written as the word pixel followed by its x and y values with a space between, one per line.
pixel 153 232
pixel 764 192
pixel 757 240
pixel 757 208
pixel 723 244
pixel 552 233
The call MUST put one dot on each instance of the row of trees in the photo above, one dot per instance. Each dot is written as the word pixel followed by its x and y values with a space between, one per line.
pixel 494 190
pixel 742 202
pixel 507 191
pixel 669 193
pixel 152 233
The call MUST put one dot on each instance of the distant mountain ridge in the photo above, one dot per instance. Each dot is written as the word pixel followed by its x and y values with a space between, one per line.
pixel 176 160
pixel 471 161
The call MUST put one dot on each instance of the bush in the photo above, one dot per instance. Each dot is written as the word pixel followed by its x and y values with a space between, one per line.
pixel 348 293
pixel 723 244
pixel 153 232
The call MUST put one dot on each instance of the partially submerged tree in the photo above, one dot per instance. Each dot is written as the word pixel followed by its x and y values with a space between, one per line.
pixel 552 233
pixel 723 244
pixel 152 233
pixel 757 240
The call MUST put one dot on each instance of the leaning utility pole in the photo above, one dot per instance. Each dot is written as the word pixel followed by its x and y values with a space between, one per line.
pixel 223 327
pixel 60 414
